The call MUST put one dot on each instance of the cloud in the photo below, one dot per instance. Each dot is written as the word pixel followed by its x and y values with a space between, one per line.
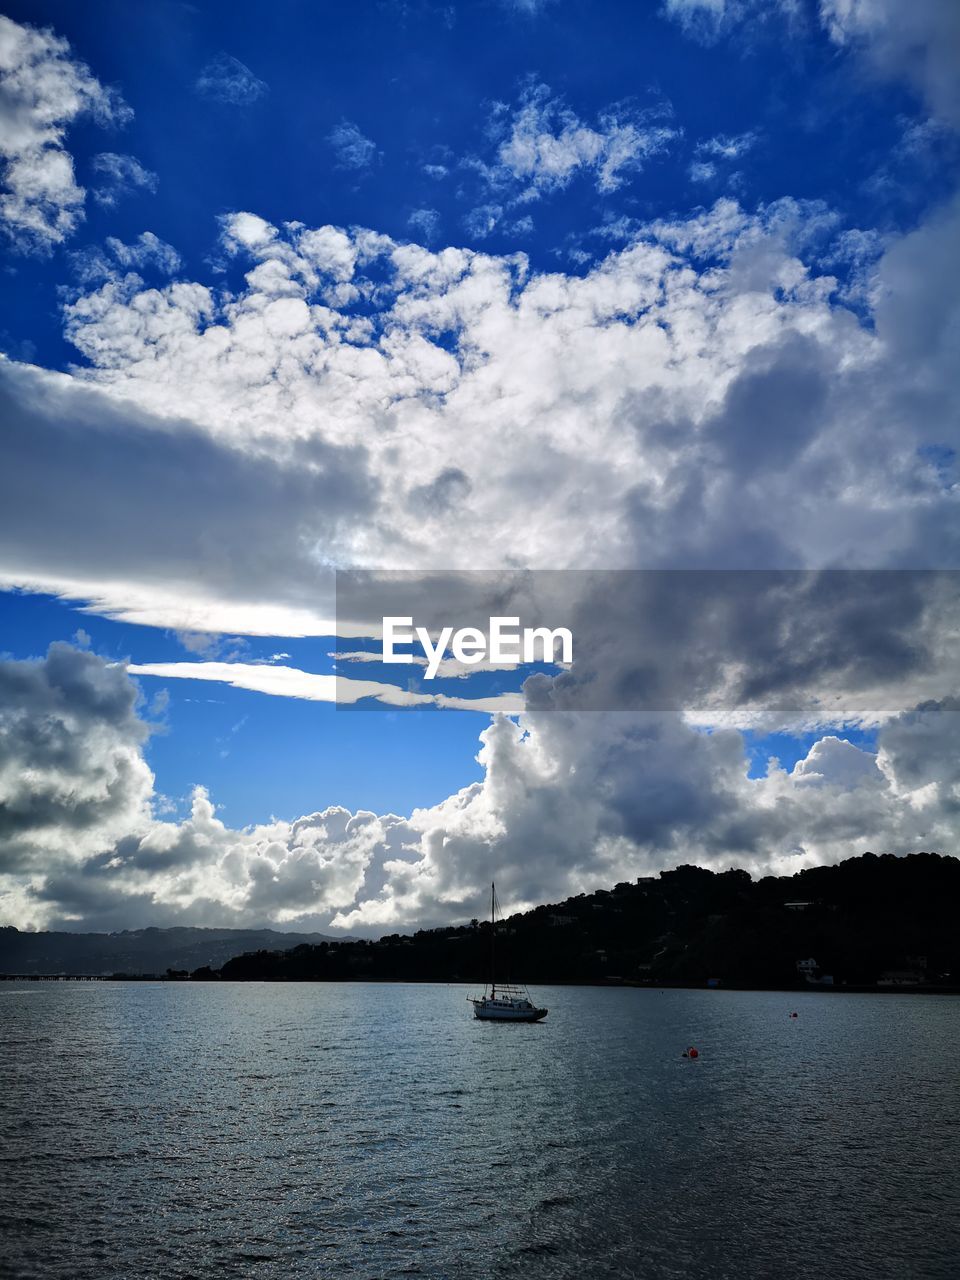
pixel 147 249
pixel 702 171
pixel 43 90
pixel 712 155
pixel 728 146
pixel 481 221
pixel 425 222
pixel 121 175
pixel 916 42
pixel 352 149
pixel 139 490
pixel 527 8
pixel 544 144
pixel 913 42
pixel 566 802
pixel 290 682
pixel 94 264
pixel 701 397
pixel 226 79
pixel 707 20
pixel 71 767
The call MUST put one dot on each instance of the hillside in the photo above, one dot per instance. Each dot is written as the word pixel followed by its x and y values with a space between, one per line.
pixel 867 920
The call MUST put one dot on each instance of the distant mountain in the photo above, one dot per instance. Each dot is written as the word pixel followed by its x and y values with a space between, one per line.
pixel 152 951
pixel 869 920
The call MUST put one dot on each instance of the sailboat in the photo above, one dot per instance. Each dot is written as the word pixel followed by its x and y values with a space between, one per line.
pixel 504 1001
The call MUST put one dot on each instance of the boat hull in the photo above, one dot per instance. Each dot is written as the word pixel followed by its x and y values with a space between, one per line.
pixel 493 1011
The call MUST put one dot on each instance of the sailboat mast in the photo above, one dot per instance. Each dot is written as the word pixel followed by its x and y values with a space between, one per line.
pixel 493 935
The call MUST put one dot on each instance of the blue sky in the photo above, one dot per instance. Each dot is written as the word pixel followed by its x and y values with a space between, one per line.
pixel 506 284
pixel 421 83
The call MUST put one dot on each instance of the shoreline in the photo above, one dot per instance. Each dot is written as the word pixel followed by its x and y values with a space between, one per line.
pixel 926 989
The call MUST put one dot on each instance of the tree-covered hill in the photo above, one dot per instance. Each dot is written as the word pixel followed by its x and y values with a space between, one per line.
pixel 867 920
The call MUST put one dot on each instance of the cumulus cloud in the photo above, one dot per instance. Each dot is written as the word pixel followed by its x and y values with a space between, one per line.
pixel 43 90
pixel 226 79
pixel 71 765
pixel 701 397
pixel 566 802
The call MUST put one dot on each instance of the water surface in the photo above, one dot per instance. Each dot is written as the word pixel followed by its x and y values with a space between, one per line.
pixel 351 1130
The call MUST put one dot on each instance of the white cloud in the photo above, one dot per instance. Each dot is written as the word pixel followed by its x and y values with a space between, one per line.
pixel 701 397
pixel 147 250
pixel 566 802
pixel 728 146
pixel 290 682
pixel 94 264
pixel 544 144
pixel 226 79
pixel 43 90
pixel 619 418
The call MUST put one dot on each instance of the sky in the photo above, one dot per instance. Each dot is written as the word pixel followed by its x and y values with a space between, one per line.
pixel 511 285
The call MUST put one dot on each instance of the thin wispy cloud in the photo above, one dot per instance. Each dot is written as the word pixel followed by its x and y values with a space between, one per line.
pixel 425 223
pixel 715 156
pixel 353 150
pixel 114 258
pixel 120 175
pixel 290 682
pixel 226 79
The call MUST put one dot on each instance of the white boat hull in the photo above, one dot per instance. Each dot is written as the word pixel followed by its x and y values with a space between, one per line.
pixel 507 1011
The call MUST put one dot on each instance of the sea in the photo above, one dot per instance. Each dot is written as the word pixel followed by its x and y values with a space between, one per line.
pixel 335 1130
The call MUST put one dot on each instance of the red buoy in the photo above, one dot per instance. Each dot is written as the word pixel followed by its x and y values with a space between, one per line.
pixel 794 1015
pixel 693 1053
